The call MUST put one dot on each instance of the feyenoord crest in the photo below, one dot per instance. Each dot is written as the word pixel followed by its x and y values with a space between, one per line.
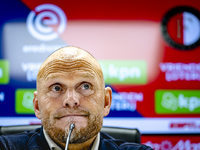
pixel 181 28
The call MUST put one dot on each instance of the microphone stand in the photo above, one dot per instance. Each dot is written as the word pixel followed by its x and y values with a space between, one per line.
pixel 71 127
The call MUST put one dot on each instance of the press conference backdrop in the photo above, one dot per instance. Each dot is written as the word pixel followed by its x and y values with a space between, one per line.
pixel 148 50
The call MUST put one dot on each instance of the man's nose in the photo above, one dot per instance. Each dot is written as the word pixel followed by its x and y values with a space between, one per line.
pixel 71 98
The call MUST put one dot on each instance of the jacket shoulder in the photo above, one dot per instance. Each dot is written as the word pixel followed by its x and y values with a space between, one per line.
pixel 109 143
pixel 18 141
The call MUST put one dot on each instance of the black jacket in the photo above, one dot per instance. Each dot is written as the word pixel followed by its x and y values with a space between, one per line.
pixel 35 140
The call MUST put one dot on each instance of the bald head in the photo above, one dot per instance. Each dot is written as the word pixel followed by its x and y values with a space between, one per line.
pixel 69 59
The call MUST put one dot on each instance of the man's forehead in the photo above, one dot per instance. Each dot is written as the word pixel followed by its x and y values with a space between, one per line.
pixel 73 74
pixel 69 59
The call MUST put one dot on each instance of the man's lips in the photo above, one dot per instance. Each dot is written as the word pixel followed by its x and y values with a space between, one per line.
pixel 72 115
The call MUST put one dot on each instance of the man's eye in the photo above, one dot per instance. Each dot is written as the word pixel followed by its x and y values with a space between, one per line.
pixel 56 88
pixel 86 89
pixel 86 86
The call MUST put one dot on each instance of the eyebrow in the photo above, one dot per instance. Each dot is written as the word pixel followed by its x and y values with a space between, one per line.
pixel 87 75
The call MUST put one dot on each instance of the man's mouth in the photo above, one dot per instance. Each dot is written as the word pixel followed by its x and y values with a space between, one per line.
pixel 72 115
pixel 63 113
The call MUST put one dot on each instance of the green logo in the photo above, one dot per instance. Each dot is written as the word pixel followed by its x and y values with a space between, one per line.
pixel 24 101
pixel 177 101
pixel 4 72
pixel 124 72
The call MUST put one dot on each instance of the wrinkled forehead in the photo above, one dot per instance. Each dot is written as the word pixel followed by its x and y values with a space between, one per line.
pixel 70 59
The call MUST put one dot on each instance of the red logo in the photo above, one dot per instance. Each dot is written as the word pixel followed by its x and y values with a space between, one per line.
pixel 181 28
pixel 185 125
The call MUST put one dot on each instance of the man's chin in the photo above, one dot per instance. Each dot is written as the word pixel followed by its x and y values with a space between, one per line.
pixel 64 124
pixel 78 135
pixel 85 129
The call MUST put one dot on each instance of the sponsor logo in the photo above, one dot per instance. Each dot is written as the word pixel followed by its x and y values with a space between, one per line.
pixel 42 48
pixel 124 72
pixel 181 71
pixel 2 96
pixel 4 72
pixel 180 145
pixel 181 28
pixel 125 101
pixel 31 69
pixel 24 101
pixel 192 125
pixel 177 101
pixel 46 22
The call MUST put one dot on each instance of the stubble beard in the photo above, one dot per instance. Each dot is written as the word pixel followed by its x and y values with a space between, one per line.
pixel 79 135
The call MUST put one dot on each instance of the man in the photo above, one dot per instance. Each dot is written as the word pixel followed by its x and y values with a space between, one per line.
pixel 70 89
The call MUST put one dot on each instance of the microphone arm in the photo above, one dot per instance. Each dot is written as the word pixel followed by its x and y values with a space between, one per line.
pixel 71 127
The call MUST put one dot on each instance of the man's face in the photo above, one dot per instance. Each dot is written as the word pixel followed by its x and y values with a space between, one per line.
pixel 73 95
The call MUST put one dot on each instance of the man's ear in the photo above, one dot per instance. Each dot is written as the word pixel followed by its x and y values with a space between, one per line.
pixel 108 101
pixel 36 105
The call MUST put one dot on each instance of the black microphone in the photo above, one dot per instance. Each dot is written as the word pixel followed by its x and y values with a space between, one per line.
pixel 71 127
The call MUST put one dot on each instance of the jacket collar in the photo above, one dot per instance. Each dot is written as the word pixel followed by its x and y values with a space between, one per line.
pixel 37 140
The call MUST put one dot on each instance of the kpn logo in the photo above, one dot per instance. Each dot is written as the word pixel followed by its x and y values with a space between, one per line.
pixel 24 101
pixel 177 101
pixel 4 72
pixel 46 22
pixel 124 72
